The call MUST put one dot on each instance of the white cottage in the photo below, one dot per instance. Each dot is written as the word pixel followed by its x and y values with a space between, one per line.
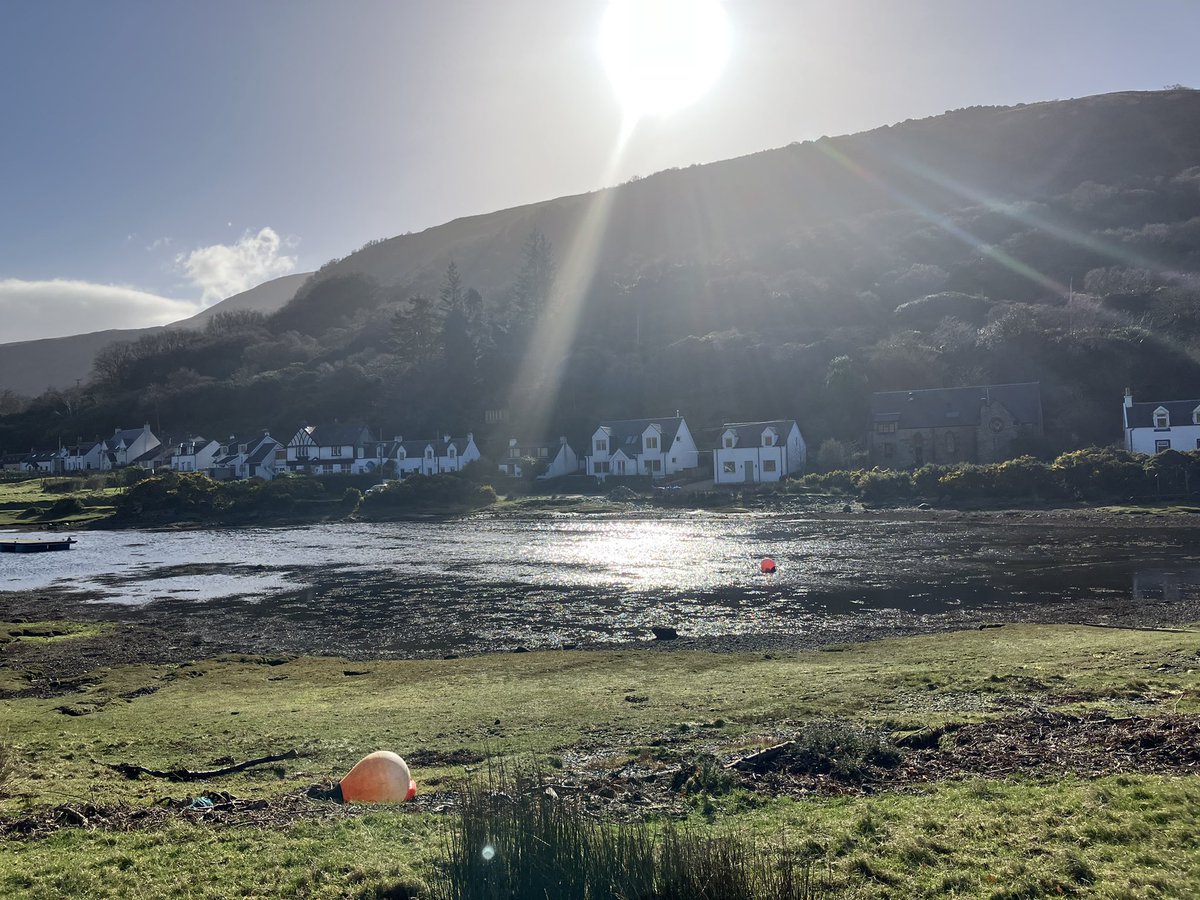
pixel 126 447
pixel 434 457
pixel 655 447
pixel 250 456
pixel 328 449
pixel 196 454
pixel 758 452
pixel 555 459
pixel 1161 425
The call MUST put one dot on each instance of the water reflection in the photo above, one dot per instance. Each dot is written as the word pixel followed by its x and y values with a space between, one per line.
pixel 481 583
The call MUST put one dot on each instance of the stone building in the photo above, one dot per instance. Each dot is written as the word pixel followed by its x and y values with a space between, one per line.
pixel 950 425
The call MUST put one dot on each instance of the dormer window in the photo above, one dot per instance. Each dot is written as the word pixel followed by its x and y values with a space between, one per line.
pixel 601 445
pixel 429 453
pixel 1196 416
pixel 1162 419
pixel 452 450
pixel 730 441
pixel 768 440
pixel 651 443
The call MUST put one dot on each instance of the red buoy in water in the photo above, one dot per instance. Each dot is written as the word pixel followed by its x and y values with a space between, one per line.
pixel 767 566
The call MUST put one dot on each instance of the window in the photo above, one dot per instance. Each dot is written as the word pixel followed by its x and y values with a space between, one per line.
pixel 453 452
pixel 729 468
pixel 768 440
pixel 336 451
pixel 543 452
pixel 654 465
pixel 601 445
pixel 514 452
pixel 651 443
pixel 1160 446
pixel 889 450
pixel 600 468
pixel 730 441
pixel 429 453
pixel 1162 419
pixel 1196 416
pixel 885 427
pixel 768 465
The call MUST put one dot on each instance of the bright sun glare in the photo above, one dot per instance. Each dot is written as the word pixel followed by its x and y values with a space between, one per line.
pixel 662 55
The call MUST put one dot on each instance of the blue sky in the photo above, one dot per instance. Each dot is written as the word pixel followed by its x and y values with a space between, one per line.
pixel 157 156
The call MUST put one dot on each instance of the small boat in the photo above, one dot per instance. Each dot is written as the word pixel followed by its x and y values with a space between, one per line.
pixel 35 545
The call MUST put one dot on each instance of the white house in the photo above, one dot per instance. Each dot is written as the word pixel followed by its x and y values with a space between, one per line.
pixel 126 447
pixel 257 456
pixel 196 454
pixel 434 457
pixel 1157 426
pixel 48 462
pixel 84 456
pixel 555 459
pixel 328 449
pixel 654 447
pixel 757 452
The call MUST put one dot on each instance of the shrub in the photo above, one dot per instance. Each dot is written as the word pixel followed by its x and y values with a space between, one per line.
pixel 430 493
pixel 839 749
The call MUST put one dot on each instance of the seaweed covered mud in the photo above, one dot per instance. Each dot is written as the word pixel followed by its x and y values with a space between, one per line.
pixel 493 584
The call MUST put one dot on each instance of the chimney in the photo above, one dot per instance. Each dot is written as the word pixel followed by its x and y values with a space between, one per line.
pixel 1128 398
pixel 446 438
pixel 562 440
pixel 470 436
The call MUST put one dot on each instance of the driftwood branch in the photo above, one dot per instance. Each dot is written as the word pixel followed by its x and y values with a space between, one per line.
pixel 758 760
pixel 129 770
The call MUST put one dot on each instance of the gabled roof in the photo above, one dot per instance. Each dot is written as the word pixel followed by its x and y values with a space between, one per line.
pixel 749 434
pixel 626 434
pixel 128 435
pixel 1141 415
pixel 945 407
pixel 340 435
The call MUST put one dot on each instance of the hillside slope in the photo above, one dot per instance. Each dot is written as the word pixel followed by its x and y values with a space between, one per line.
pixel 1055 242
pixel 31 367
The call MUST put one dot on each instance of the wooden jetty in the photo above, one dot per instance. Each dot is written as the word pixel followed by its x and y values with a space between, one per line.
pixel 34 545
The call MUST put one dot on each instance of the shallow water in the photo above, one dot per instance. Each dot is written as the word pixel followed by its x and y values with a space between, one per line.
pixel 485 583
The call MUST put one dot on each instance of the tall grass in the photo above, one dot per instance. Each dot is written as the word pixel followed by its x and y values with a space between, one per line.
pixel 514 837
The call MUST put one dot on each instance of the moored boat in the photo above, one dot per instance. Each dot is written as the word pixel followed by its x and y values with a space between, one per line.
pixel 35 545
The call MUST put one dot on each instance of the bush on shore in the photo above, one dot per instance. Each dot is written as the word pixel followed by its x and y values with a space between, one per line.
pixel 1093 473
pixel 449 493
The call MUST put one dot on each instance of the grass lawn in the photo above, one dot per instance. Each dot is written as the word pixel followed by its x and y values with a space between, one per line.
pixel 1111 835
pixel 25 503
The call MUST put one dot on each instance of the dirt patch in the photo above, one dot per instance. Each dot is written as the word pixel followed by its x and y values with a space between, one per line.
pixel 1039 744
pixel 431 759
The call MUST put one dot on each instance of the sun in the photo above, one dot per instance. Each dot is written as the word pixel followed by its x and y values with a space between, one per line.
pixel 663 55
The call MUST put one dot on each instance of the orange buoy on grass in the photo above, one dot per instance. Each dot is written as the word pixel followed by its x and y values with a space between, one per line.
pixel 767 566
pixel 379 777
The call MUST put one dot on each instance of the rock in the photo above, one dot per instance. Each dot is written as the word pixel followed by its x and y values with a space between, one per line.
pixel 847 508
pixel 664 632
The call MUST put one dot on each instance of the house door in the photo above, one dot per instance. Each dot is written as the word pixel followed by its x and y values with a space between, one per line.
pixel 749 471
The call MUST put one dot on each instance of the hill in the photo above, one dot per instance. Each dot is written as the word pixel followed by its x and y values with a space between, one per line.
pixel 31 367
pixel 1056 242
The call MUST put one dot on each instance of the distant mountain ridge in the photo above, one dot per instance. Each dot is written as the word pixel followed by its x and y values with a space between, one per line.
pixel 31 367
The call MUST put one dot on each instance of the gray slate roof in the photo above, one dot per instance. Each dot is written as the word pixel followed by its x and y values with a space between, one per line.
pixel 1141 415
pixel 627 434
pixel 947 407
pixel 749 434
pixel 340 435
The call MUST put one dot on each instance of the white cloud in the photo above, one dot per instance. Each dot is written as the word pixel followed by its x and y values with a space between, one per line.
pixel 222 270
pixel 42 309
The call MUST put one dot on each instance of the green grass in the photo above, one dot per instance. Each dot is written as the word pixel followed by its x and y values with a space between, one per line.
pixel 17 498
pixel 986 838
